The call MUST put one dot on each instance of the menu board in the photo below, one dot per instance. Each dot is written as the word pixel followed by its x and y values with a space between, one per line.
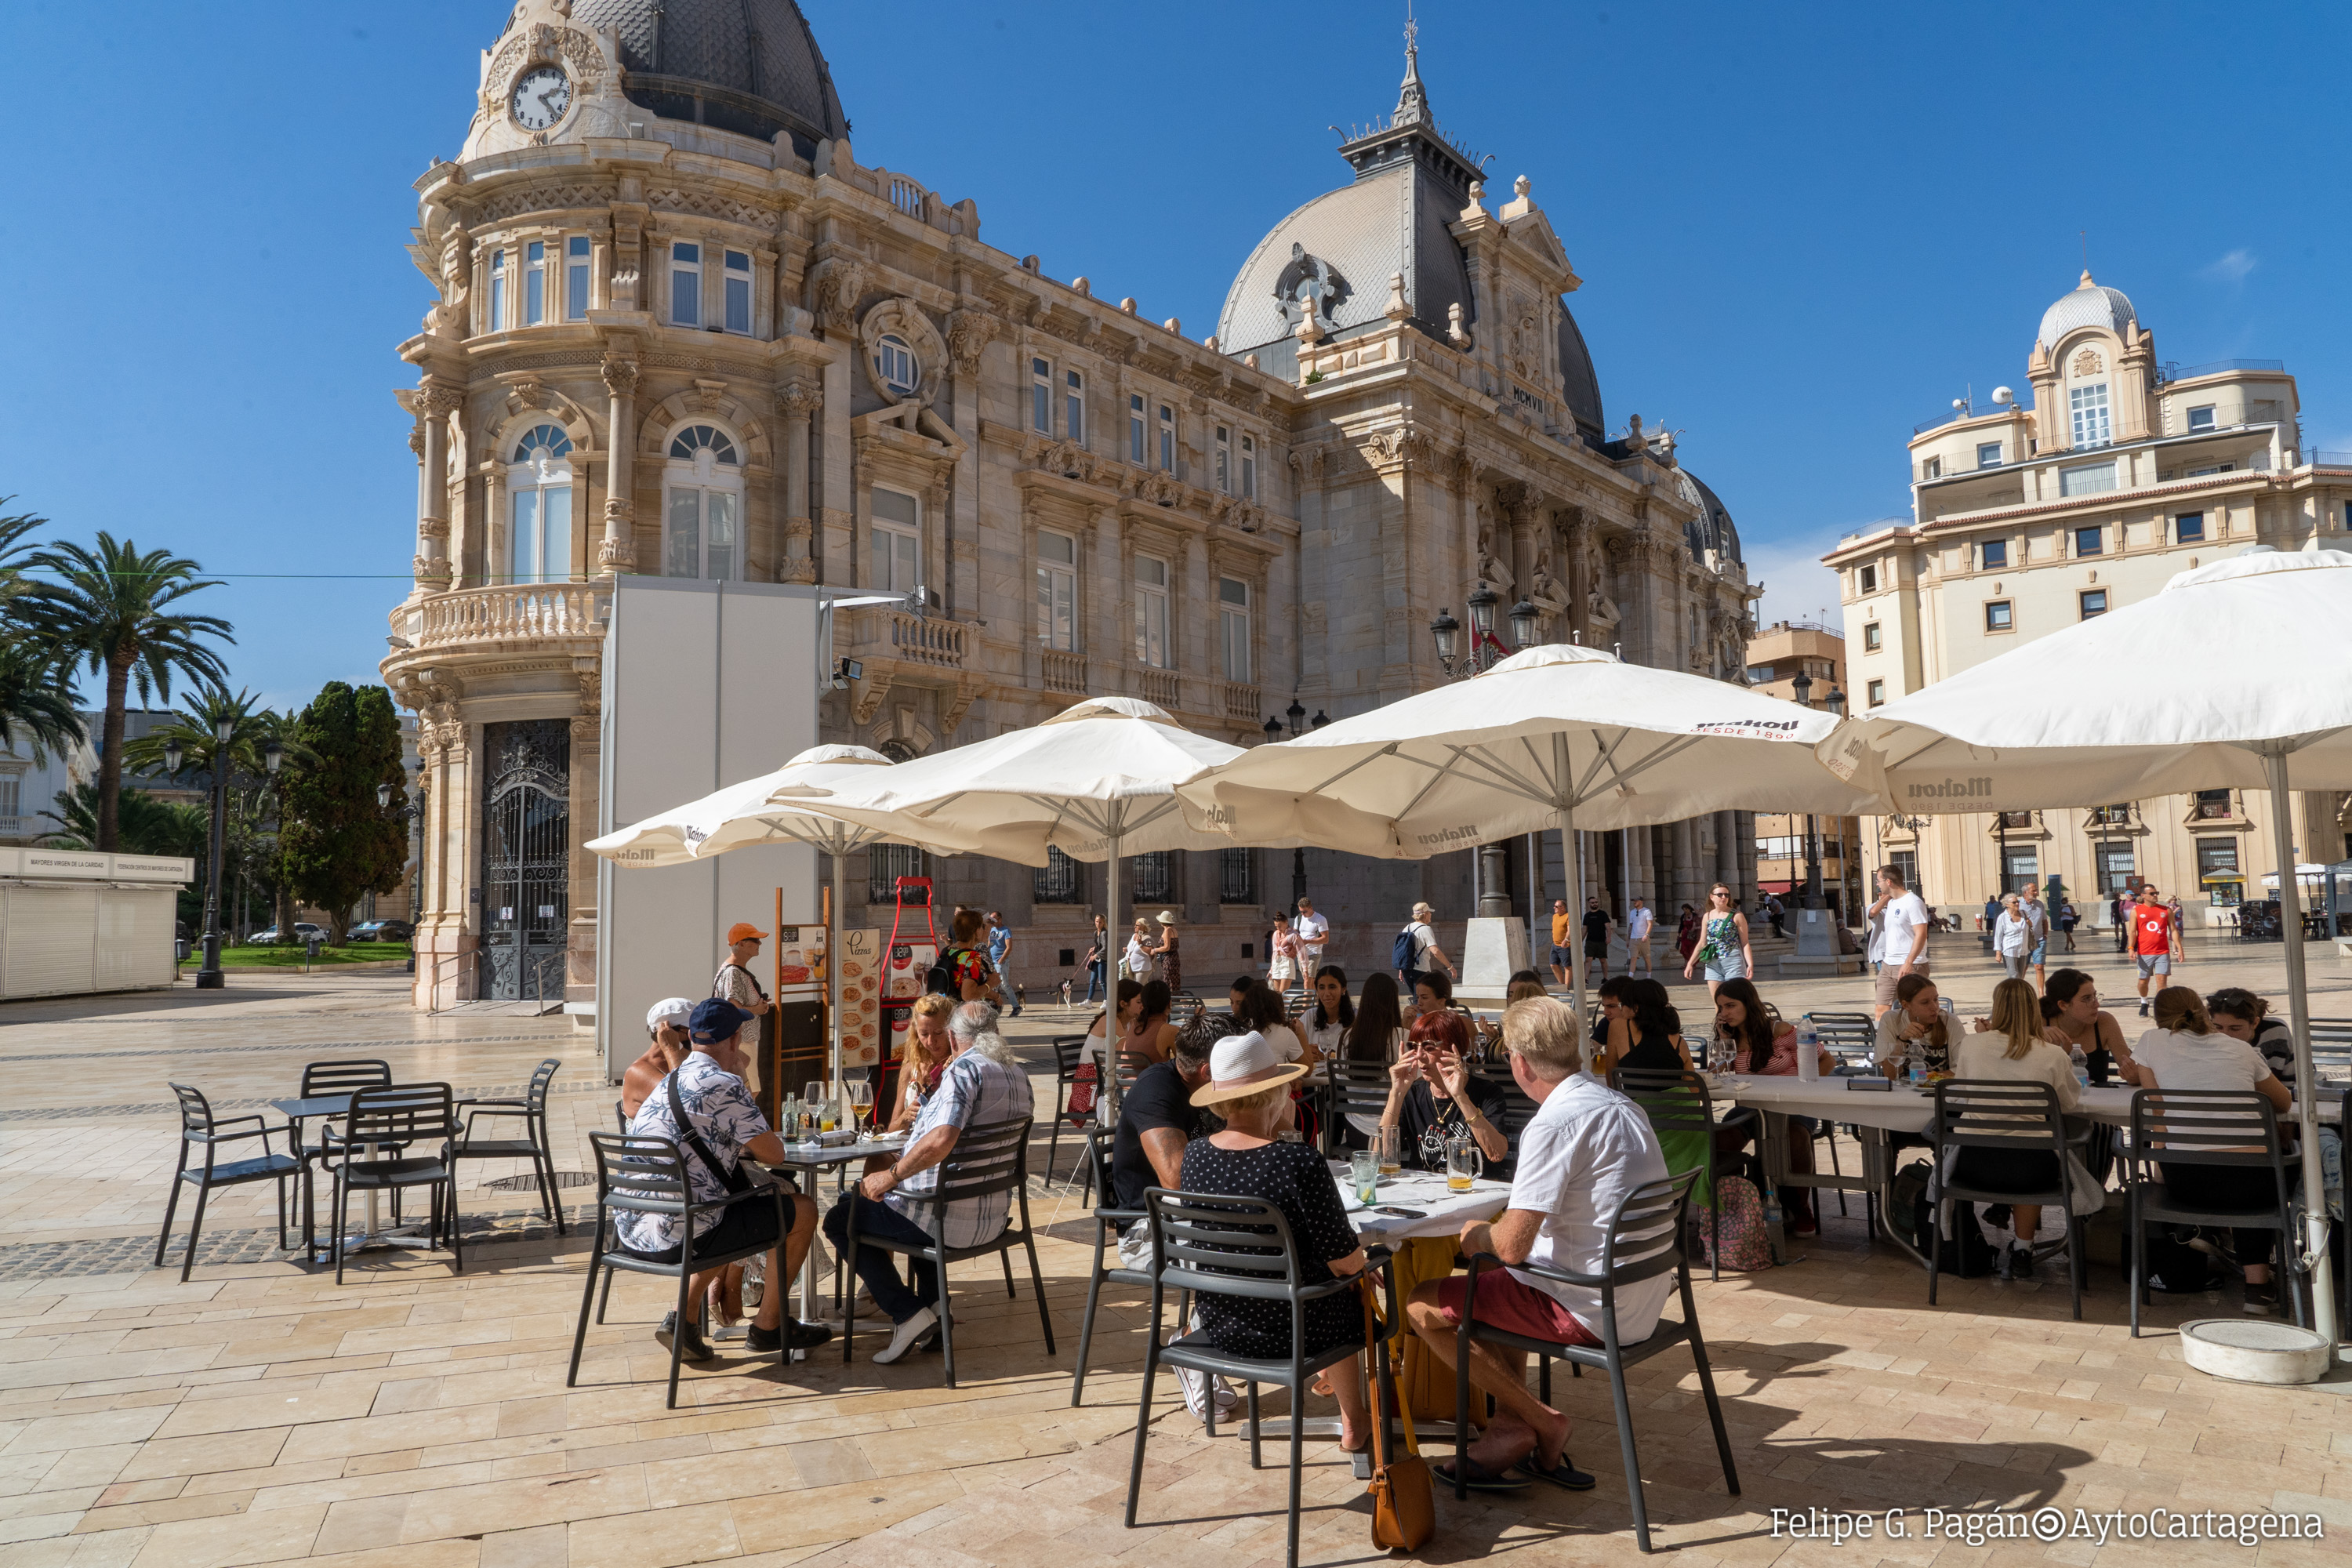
pixel 861 998
pixel 906 965
pixel 800 963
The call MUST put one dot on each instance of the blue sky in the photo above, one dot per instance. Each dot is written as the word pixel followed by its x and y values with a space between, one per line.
pixel 1801 230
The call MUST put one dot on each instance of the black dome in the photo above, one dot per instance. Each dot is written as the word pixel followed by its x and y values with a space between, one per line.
pixel 746 66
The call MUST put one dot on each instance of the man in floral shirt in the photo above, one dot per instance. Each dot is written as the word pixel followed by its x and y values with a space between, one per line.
pixel 723 1115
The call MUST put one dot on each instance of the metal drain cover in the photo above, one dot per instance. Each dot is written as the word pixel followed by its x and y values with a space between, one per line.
pixel 2248 1350
pixel 530 1183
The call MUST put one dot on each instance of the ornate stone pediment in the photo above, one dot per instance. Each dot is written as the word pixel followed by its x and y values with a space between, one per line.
pixel 1064 458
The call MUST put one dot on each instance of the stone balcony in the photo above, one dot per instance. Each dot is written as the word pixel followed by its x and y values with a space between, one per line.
pixel 529 636
pixel 898 647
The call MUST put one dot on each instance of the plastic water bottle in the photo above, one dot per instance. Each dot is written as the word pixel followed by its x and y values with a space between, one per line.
pixel 1809 1051
pixel 1774 1221
pixel 2081 1067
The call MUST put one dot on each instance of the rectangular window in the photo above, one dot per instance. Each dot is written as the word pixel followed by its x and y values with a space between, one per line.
pixel 2091 541
pixel 1993 554
pixel 497 290
pixel 1758 674
pixel 2094 601
pixel 1074 406
pixel 1877 693
pixel 11 798
pixel 1041 397
pixel 685 285
pixel 1135 428
pixel 1872 637
pixel 1249 467
pixel 2116 871
pixel 1155 877
pixel 739 291
pixel 1933 469
pixel 1151 612
pixel 2189 527
pixel 1870 579
pixel 2210 468
pixel 1988 454
pixel 2211 803
pixel 1057 591
pixel 2201 418
pixel 1233 616
pixel 885 864
pixel 704 534
pixel 1237 876
pixel 577 265
pixel 1997 616
pixel 534 283
pixel 1167 439
pixel 1908 862
pixel 2091 478
pixel 1224 461
pixel 2024 865
pixel 897 543
pixel 2089 405
pixel 1060 881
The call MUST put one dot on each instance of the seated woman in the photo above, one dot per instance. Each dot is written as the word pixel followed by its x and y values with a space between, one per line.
pixel 2010 1046
pixel 1261 1008
pixel 2243 1015
pixel 1433 1095
pixel 2186 1051
pixel 925 1058
pixel 2077 1019
pixel 1110 1026
pixel 1433 991
pixel 1236 990
pixel 1149 1034
pixel 1334 1014
pixel 1750 1038
pixel 1638 1028
pixel 1914 1029
pixel 1251 1091
pixel 1372 1041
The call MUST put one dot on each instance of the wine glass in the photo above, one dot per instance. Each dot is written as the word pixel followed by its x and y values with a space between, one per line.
pixel 861 1100
pixel 812 1099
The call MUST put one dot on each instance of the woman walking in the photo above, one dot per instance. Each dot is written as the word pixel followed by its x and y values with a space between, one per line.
pixel 1166 955
pixel 1723 943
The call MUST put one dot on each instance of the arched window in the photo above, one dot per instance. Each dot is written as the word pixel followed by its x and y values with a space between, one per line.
pixel 894 366
pixel 702 505
pixel 539 506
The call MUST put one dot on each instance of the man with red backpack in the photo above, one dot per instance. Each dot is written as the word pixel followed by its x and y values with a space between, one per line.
pixel 2155 941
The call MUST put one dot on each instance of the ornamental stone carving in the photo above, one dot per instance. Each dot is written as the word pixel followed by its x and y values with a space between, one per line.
pixel 620 375
pixel 969 332
pixel 834 287
pixel 798 400
pixel 904 320
pixel 616 554
pixel 1064 458
pixel 1401 446
pixel 1160 490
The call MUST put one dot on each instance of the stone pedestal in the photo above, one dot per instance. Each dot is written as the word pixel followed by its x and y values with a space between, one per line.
pixel 1817 946
pixel 1492 952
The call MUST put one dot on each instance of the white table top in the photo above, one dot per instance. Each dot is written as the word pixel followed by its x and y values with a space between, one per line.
pixel 811 1156
pixel 1903 1109
pixel 1443 1213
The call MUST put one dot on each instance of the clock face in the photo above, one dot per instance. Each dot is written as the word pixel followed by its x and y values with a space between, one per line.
pixel 540 97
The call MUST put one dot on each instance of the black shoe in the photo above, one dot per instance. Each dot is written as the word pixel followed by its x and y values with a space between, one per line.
pixel 793 1335
pixel 690 1345
pixel 2020 1263
pixel 2262 1299
pixel 2143 1006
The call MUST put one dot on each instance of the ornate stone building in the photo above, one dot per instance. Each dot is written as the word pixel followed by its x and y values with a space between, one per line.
pixel 677 328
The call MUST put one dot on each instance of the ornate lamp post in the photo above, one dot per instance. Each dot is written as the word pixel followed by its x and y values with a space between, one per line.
pixel 1812 894
pixel 1485 652
pixel 209 978
pixel 1295 718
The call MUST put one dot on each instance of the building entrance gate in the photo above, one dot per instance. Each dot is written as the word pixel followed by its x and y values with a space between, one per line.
pixel 526 859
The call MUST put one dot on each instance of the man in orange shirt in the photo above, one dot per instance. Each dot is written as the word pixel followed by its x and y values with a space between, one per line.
pixel 1560 924
pixel 2156 939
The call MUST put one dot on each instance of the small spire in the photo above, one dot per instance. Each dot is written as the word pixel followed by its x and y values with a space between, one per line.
pixel 2085 284
pixel 1412 103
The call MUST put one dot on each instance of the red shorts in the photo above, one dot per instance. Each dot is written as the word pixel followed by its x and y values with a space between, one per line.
pixel 1507 1303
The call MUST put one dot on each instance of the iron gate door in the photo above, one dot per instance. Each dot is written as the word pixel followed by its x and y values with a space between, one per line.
pixel 526 858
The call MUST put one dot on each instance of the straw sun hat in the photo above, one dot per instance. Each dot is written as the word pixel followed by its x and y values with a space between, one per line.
pixel 1166 919
pixel 1244 1064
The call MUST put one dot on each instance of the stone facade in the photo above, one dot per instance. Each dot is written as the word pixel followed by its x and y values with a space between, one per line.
pixel 679 328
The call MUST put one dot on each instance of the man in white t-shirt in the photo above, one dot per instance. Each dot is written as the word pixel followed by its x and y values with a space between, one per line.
pixel 1312 932
pixel 1898 937
pixel 2037 932
pixel 1584 1149
pixel 1639 923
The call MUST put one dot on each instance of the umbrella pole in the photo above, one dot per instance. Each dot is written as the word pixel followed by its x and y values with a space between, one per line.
pixel 1114 934
pixel 1568 860
pixel 833 954
pixel 2306 1088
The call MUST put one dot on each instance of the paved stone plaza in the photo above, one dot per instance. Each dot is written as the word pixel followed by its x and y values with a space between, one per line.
pixel 415 1419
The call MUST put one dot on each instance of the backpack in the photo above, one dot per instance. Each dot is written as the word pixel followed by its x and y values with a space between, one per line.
pixel 2172 1265
pixel 1404 952
pixel 939 979
pixel 1903 1210
pixel 1738 1234
pixel 1966 1254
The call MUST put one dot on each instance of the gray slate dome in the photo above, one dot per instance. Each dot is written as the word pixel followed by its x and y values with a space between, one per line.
pixel 1712 529
pixel 747 65
pixel 2089 305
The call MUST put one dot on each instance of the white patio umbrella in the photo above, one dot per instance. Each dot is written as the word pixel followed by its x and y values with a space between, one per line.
pixel 1560 736
pixel 760 811
pixel 2217 681
pixel 1097 782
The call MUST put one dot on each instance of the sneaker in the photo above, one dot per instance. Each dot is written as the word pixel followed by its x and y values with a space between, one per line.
pixel 793 1335
pixel 2143 1006
pixel 1196 1387
pixel 2020 1263
pixel 690 1344
pixel 2262 1299
pixel 903 1339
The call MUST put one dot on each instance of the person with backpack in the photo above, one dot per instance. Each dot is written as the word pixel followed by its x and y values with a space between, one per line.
pixel 1415 952
pixel 735 983
pixel 964 970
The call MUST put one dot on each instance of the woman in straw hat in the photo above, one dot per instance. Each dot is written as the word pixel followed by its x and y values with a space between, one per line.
pixel 1250 1087
pixel 1170 962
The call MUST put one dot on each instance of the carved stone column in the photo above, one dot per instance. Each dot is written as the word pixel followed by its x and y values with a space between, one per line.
pixel 618 553
pixel 1578 535
pixel 796 401
pixel 587 734
pixel 436 402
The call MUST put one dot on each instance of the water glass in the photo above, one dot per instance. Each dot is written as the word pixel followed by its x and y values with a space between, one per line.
pixel 1364 1166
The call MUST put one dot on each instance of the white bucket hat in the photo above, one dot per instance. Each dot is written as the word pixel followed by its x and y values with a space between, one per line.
pixel 676 1010
pixel 1242 1065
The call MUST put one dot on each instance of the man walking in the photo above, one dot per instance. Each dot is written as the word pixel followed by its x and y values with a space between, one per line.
pixel 2119 909
pixel 1559 953
pixel 1898 937
pixel 2155 940
pixel 2037 932
pixel 1638 925
pixel 1312 931
pixel 999 937
pixel 1416 945
pixel 734 983
pixel 1597 926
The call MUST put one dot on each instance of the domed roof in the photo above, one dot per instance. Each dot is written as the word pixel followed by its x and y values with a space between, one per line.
pixel 2089 305
pixel 1712 529
pixel 1580 387
pixel 746 66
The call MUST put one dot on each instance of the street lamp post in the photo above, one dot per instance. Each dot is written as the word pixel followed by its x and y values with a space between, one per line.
pixel 209 978
pixel 410 814
pixel 1485 652
pixel 1293 718
pixel 1812 894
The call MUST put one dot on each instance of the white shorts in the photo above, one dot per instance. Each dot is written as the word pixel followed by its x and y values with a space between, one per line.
pixel 2152 964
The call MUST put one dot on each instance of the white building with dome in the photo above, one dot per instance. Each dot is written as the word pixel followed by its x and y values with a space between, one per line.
pixel 675 327
pixel 2031 514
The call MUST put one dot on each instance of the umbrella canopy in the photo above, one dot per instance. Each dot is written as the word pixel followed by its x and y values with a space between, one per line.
pixel 2230 675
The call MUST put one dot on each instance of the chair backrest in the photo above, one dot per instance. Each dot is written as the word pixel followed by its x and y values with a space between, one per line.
pixel 340 1077
pixel 1224 1246
pixel 1100 1142
pixel 2331 1046
pixel 1361 1087
pixel 1675 1101
pixel 1998 1113
pixel 195 1111
pixel 1645 1233
pixel 621 1114
pixel 401 1114
pixel 542 1077
pixel 645 1175
pixel 1833 1020
pixel 1067 1049
pixel 989 1157
pixel 1519 1110
pixel 2204 1127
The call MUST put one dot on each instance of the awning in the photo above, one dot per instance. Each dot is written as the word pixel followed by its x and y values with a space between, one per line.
pixel 1778 887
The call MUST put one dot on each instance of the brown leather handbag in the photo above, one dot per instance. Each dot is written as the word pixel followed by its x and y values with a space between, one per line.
pixel 1404 1511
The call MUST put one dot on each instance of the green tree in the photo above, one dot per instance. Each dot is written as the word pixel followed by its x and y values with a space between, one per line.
pixel 36 699
pixel 337 843
pixel 149 825
pixel 113 608
pixel 196 731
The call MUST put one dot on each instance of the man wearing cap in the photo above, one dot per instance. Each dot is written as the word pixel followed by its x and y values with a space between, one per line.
pixel 720 1113
pixel 983 1082
pixel 667 1023
pixel 734 983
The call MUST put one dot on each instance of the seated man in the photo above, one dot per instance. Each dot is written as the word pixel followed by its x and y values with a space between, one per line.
pixel 666 1047
pixel 1586 1147
pixel 722 1113
pixel 983 1082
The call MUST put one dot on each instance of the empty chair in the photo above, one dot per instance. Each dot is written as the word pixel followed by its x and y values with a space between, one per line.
pixel 1351 1088
pixel 398 1117
pixel 199 1128
pixel 533 1145
pixel 1107 1222
pixel 1069 1057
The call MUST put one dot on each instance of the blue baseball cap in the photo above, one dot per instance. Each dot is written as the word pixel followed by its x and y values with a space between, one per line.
pixel 716 1020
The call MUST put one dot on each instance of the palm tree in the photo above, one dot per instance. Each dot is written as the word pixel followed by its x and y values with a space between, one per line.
pixel 195 728
pixel 36 701
pixel 112 609
pixel 150 826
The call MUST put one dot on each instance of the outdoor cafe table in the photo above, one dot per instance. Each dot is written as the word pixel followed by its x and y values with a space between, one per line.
pixel 1875 1113
pixel 815 1157
pixel 328 1106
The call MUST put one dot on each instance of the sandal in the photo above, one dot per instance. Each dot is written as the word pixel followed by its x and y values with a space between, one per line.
pixel 1478 1477
pixel 1564 1474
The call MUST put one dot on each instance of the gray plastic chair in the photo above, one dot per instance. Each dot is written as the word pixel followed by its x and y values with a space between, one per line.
pixel 533 1145
pixel 200 1129
pixel 2205 1127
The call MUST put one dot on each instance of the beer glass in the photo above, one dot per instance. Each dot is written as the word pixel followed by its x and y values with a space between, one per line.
pixel 1388 1145
pixel 1463 1162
